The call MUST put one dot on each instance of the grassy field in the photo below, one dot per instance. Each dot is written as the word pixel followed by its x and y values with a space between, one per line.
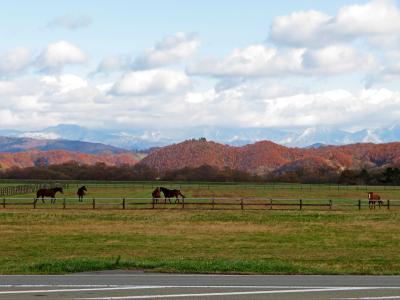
pixel 279 242
pixel 270 242
pixel 289 191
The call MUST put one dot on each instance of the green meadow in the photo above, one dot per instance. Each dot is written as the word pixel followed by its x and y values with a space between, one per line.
pixel 52 240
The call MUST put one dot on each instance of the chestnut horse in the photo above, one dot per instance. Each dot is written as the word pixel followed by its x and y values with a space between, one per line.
pixel 171 193
pixel 372 198
pixel 81 192
pixel 49 193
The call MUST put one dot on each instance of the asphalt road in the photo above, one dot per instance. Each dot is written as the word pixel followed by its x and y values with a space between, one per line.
pixel 131 285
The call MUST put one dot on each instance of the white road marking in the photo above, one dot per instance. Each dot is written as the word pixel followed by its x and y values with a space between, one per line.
pixel 227 293
pixel 59 285
pixel 369 298
pixel 179 286
pixel 80 289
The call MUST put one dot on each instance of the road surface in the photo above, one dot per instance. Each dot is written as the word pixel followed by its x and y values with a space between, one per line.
pixel 133 285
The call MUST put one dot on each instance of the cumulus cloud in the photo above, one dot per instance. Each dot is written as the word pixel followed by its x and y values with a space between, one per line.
pixel 255 60
pixel 364 108
pixel 14 61
pixel 113 63
pixel 60 54
pixel 172 49
pixel 374 21
pixel 259 60
pixel 64 83
pixel 70 22
pixel 151 82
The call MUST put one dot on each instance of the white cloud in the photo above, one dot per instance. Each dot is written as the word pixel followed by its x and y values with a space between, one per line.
pixel 262 61
pixel 60 54
pixel 336 59
pixel 151 82
pixel 375 21
pixel 70 22
pixel 64 83
pixel 113 63
pixel 300 29
pixel 172 49
pixel 14 61
pixel 255 60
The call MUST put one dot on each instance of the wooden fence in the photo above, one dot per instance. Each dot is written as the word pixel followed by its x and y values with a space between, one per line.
pixel 12 190
pixel 198 203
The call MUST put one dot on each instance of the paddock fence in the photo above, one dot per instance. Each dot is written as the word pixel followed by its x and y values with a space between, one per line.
pixel 198 204
pixel 6 191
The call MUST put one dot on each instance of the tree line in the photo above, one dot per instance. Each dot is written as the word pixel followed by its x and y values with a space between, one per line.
pixel 141 172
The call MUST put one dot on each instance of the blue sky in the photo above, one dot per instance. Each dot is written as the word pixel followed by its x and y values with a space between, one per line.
pixel 143 64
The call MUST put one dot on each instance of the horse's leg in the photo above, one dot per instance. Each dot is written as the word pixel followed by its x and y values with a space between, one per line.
pixel 42 199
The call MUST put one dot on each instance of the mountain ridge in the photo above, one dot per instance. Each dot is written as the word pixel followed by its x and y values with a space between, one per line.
pixel 265 157
pixel 143 139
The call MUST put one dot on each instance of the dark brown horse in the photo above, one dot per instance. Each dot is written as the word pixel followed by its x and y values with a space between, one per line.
pixel 168 194
pixel 156 194
pixel 81 192
pixel 41 193
pixel 372 198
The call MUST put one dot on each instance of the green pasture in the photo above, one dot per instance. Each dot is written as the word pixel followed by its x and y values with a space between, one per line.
pixel 276 242
pixel 112 194
pixel 209 190
pixel 344 240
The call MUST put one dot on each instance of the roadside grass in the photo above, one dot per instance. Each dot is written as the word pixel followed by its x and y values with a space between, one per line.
pixel 44 241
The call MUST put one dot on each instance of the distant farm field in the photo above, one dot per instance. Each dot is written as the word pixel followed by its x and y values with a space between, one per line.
pixel 338 241
pixel 330 197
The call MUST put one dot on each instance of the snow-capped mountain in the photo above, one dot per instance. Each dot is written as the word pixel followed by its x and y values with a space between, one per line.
pixel 137 139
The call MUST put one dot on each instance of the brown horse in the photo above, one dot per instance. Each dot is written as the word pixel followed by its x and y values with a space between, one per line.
pixel 170 194
pixel 156 195
pixel 49 193
pixel 81 192
pixel 372 198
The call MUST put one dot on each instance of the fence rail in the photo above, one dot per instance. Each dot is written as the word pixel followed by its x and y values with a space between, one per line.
pixel 12 190
pixel 199 203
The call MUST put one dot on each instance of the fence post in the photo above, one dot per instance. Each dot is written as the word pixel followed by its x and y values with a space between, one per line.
pixel 388 204
pixel 213 203
pixel 330 204
pixel 4 202
pixel 64 203
pixel 123 203
pixel 94 203
pixel 301 204
pixel 359 204
pixel 270 204
pixel 34 203
pixel 241 203
pixel 183 203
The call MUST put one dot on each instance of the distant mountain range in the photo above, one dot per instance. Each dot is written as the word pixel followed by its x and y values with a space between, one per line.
pixel 28 152
pixel 56 157
pixel 263 157
pixel 137 139
pixel 14 144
